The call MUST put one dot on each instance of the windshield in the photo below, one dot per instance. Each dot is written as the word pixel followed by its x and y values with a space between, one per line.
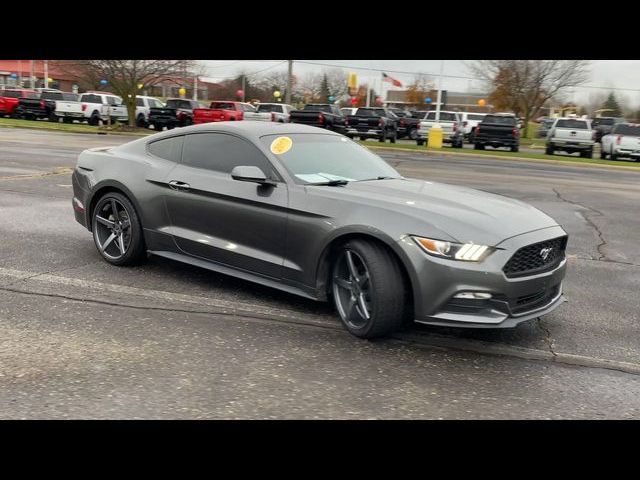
pixel 318 108
pixel 316 158
pixel 570 123
pixel 602 121
pixel 626 129
pixel 222 106
pixel 498 120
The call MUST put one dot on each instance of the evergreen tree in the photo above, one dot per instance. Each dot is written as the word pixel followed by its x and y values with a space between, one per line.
pixel 611 104
pixel 325 93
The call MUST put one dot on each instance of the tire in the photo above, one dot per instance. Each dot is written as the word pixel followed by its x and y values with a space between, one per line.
pixel 189 121
pixel 113 233
pixel 614 156
pixel 94 119
pixel 383 137
pixel 141 122
pixel 420 142
pixel 413 134
pixel 478 146
pixel 587 153
pixel 53 118
pixel 395 137
pixel 67 120
pixel 159 128
pixel 374 305
pixel 549 150
pixel 515 148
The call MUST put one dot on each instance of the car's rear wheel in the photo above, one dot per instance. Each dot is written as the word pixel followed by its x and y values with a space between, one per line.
pixel 94 119
pixel 420 142
pixel 368 289
pixel 413 134
pixel 117 231
pixel 603 154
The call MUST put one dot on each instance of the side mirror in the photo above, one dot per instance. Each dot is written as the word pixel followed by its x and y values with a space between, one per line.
pixel 250 174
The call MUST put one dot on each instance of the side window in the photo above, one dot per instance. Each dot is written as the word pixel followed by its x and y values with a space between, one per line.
pixel 139 102
pixel 167 148
pixel 221 153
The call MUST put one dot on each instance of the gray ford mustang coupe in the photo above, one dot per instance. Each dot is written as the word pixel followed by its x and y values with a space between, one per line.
pixel 311 212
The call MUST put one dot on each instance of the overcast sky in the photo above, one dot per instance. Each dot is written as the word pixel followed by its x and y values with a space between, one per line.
pixel 604 73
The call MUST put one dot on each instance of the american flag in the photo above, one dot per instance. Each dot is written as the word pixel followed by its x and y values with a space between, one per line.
pixel 387 78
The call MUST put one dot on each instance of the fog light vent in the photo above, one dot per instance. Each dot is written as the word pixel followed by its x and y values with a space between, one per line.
pixel 473 295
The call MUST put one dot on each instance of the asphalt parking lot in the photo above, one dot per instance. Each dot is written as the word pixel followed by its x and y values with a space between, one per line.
pixel 82 339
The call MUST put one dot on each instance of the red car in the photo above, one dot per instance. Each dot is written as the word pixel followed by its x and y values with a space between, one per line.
pixel 9 98
pixel 221 112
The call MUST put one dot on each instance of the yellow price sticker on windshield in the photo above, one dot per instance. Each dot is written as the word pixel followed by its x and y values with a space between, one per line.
pixel 281 145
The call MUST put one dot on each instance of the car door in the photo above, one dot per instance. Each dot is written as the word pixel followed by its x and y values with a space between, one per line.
pixel 239 224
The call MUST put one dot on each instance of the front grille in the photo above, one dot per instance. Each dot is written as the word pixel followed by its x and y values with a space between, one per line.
pixel 531 302
pixel 529 260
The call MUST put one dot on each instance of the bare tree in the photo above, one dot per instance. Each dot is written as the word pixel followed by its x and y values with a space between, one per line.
pixel 524 86
pixel 125 76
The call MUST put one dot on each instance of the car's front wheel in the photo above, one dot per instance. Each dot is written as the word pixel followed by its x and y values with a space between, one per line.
pixel 368 289
pixel 117 231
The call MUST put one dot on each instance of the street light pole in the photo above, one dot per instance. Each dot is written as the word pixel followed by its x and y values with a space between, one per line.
pixel 46 73
pixel 287 98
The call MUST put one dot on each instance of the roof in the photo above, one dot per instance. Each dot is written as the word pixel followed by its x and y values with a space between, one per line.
pixel 250 129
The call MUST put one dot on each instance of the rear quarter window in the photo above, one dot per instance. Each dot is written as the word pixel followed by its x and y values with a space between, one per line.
pixel 167 148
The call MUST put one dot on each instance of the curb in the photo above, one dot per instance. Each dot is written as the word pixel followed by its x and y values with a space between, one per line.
pixel 504 157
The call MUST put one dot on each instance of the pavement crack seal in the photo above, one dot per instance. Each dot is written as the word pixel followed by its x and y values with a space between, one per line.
pixel 547 336
pixel 262 313
pixel 592 224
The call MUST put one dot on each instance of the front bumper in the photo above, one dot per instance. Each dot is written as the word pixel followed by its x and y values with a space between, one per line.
pixel 627 152
pixel 514 300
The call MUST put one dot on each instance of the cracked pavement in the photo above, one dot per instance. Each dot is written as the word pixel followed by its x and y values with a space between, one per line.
pixel 82 339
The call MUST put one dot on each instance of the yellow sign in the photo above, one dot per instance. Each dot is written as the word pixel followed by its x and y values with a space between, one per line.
pixel 352 81
pixel 281 145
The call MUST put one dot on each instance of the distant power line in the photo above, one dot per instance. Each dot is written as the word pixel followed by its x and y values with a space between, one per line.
pixel 463 77
pixel 404 72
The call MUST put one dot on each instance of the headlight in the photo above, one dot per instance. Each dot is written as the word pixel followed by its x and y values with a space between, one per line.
pixel 469 252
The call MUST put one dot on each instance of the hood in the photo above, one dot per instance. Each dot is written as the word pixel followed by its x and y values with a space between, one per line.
pixel 466 214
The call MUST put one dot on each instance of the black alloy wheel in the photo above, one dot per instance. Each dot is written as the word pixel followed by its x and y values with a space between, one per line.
pixel 116 230
pixel 368 289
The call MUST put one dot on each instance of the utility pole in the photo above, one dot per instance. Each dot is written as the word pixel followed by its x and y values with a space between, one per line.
pixel 31 74
pixel 439 92
pixel 287 98
pixel 46 73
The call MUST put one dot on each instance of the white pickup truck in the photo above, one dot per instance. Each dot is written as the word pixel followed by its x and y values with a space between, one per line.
pixel 571 135
pixel 451 128
pixel 273 112
pixel 102 105
pixel 623 141
pixel 69 108
pixel 143 105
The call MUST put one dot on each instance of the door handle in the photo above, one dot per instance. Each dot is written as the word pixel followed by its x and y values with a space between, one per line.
pixel 176 185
